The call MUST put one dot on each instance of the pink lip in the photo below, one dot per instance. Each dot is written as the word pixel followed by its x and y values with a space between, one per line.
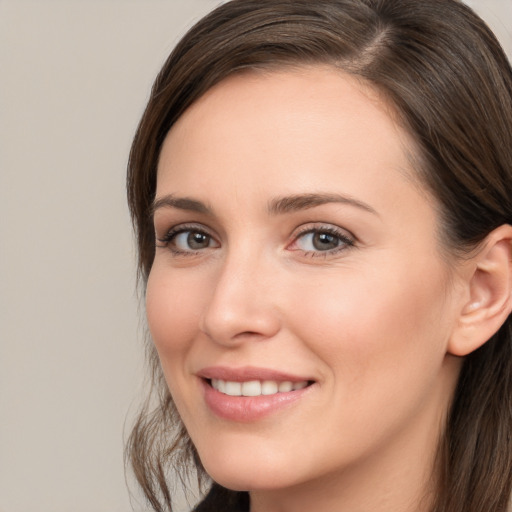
pixel 246 373
pixel 245 409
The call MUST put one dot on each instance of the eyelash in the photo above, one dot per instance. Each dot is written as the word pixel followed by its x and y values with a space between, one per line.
pixel 170 237
pixel 345 241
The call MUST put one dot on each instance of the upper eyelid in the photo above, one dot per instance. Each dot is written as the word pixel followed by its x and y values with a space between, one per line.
pixel 185 226
pixel 323 226
pixel 169 234
pixel 303 229
pixel 348 240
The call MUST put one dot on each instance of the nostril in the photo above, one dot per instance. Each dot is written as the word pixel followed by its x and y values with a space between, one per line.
pixel 248 334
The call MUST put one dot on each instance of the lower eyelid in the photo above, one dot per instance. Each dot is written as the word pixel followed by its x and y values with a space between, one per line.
pixel 346 240
pixel 169 241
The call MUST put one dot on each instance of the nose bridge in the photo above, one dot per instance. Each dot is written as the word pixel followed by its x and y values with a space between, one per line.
pixel 240 305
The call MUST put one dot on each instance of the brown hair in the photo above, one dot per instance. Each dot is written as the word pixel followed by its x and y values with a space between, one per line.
pixel 451 84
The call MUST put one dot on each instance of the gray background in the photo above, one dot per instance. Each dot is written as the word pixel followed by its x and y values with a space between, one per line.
pixel 74 78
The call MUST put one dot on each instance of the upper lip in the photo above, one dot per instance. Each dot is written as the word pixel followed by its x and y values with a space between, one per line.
pixel 247 373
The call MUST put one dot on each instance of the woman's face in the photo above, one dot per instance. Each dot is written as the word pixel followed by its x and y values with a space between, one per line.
pixel 298 263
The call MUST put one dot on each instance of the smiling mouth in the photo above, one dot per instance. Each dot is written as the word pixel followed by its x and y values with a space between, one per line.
pixel 256 387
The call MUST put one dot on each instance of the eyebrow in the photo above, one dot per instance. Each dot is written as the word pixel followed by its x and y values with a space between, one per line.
pixel 181 203
pixel 297 202
pixel 277 206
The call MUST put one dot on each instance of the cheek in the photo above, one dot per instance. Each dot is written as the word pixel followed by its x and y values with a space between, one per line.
pixel 382 328
pixel 173 312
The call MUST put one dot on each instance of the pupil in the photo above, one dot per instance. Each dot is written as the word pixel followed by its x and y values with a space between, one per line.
pixel 325 241
pixel 198 240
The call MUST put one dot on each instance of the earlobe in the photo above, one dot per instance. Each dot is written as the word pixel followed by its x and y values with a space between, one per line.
pixel 489 287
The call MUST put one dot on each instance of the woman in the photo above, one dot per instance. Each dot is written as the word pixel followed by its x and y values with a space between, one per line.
pixel 322 197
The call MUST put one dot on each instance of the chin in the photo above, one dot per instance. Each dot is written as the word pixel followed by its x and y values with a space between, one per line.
pixel 249 474
pixel 248 482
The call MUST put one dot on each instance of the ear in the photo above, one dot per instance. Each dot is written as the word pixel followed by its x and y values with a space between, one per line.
pixel 489 287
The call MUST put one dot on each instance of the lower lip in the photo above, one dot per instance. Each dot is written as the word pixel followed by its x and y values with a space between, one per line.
pixel 245 409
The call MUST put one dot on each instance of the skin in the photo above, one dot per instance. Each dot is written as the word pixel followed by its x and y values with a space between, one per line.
pixel 369 321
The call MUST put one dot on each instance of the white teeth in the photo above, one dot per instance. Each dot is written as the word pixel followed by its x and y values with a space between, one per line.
pixel 219 385
pixel 256 387
pixel 233 388
pixel 251 388
pixel 269 387
pixel 285 386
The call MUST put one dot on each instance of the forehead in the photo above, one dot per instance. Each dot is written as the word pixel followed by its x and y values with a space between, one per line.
pixel 290 109
pixel 287 132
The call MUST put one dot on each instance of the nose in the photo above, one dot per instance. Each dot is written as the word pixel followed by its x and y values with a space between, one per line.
pixel 242 306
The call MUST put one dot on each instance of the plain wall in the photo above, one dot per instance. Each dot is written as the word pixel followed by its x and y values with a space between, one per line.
pixel 74 78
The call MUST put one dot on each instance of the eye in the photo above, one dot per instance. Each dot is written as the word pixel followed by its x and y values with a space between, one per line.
pixel 325 240
pixel 192 240
pixel 183 239
pixel 318 241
